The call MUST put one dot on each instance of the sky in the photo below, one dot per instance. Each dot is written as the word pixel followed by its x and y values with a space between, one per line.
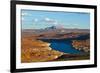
pixel 35 19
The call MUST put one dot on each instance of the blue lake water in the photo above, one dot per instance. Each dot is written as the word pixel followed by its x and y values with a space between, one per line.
pixel 63 46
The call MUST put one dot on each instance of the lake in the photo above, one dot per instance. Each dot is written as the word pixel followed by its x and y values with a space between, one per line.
pixel 63 46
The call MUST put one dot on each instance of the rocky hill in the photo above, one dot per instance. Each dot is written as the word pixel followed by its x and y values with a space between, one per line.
pixel 37 51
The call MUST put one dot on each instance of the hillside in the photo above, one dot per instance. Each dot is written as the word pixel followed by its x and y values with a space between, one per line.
pixel 37 51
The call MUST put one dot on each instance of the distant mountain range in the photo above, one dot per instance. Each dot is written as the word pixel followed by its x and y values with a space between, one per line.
pixel 54 27
pixel 55 30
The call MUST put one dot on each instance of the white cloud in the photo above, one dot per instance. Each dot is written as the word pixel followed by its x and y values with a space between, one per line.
pixel 22 18
pixel 48 20
pixel 35 20
pixel 51 21
pixel 25 14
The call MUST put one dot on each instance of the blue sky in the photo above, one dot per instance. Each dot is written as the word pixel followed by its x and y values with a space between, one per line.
pixel 32 19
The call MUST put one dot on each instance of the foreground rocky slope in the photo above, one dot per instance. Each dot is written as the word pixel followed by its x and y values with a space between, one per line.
pixel 37 51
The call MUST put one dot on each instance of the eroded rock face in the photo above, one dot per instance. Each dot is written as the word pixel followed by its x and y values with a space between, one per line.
pixel 37 51
pixel 82 45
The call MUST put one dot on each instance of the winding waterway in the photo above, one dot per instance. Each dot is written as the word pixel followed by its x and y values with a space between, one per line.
pixel 65 45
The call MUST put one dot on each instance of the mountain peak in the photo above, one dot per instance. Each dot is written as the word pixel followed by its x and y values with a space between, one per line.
pixel 54 27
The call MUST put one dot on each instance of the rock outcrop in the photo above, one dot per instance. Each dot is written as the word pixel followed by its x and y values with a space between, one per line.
pixel 37 51
pixel 82 45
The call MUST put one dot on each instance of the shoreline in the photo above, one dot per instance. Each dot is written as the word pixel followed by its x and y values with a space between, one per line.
pixel 37 50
